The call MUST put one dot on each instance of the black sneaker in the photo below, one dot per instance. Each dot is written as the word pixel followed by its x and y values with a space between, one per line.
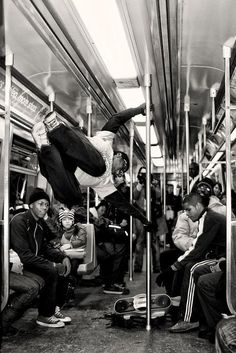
pixel 123 287
pixel 121 284
pixel 113 289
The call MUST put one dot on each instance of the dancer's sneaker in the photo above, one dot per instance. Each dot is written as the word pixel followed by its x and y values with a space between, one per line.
pixel 51 321
pixel 39 134
pixel 58 315
pixel 51 122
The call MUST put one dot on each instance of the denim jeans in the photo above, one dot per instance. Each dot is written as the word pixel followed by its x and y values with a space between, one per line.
pixel 26 287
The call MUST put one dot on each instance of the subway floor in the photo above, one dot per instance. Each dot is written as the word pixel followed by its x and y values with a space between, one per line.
pixel 93 330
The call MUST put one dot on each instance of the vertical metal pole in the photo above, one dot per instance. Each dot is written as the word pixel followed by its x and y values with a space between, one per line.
pixel 131 134
pixel 6 150
pixel 204 122
pixel 164 184
pixel 196 153
pixel 89 115
pixel 51 99
pixel 164 177
pixel 213 112
pixel 147 84
pixel 186 109
pixel 182 175
pixel 227 55
pixel 200 154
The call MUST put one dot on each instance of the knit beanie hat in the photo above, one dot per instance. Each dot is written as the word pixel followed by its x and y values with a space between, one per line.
pixel 38 194
pixel 206 181
pixel 66 213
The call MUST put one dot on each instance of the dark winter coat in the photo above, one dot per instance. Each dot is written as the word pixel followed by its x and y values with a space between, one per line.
pixel 30 240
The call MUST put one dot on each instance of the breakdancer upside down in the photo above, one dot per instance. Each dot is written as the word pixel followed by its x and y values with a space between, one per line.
pixel 68 158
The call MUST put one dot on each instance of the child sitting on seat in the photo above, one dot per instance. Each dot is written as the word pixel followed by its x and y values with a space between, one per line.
pixel 74 236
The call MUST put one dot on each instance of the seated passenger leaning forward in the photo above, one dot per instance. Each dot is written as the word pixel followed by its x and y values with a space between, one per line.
pixel 30 238
pixel 185 232
pixel 68 159
pixel 210 243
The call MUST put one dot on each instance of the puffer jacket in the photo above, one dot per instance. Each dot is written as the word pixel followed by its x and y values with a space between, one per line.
pixel 210 241
pixel 30 240
pixel 186 230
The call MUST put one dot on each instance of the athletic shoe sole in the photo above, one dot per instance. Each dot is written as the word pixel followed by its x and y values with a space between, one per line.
pixel 191 327
pixel 59 324
pixel 66 320
pixel 112 292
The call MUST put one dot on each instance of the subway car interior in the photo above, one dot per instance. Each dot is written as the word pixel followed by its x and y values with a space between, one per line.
pixel 86 61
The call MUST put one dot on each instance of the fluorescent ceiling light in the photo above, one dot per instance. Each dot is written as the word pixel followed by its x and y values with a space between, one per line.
pixel 233 135
pixel 132 97
pixel 103 22
pixel 158 162
pixel 213 164
pixel 142 133
pixel 156 152
pixel 156 156
pixel 217 156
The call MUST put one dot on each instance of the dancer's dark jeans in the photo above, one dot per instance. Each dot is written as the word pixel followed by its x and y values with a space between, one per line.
pixel 70 149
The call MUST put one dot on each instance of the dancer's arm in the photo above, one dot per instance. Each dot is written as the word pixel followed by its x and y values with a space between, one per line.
pixel 123 205
pixel 121 118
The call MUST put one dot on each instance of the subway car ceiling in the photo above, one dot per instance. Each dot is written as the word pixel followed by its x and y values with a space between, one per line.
pixel 58 50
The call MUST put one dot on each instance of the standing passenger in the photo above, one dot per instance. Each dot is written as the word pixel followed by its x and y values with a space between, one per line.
pixel 111 251
pixel 139 196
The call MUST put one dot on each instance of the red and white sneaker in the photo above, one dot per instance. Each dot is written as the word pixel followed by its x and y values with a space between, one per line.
pixel 39 134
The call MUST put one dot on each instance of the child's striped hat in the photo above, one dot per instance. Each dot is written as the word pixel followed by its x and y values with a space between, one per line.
pixel 66 213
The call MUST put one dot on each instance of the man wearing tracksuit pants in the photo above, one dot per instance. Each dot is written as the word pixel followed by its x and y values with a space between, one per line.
pixel 209 245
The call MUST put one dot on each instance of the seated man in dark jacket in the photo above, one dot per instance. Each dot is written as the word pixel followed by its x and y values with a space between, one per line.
pixel 30 240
